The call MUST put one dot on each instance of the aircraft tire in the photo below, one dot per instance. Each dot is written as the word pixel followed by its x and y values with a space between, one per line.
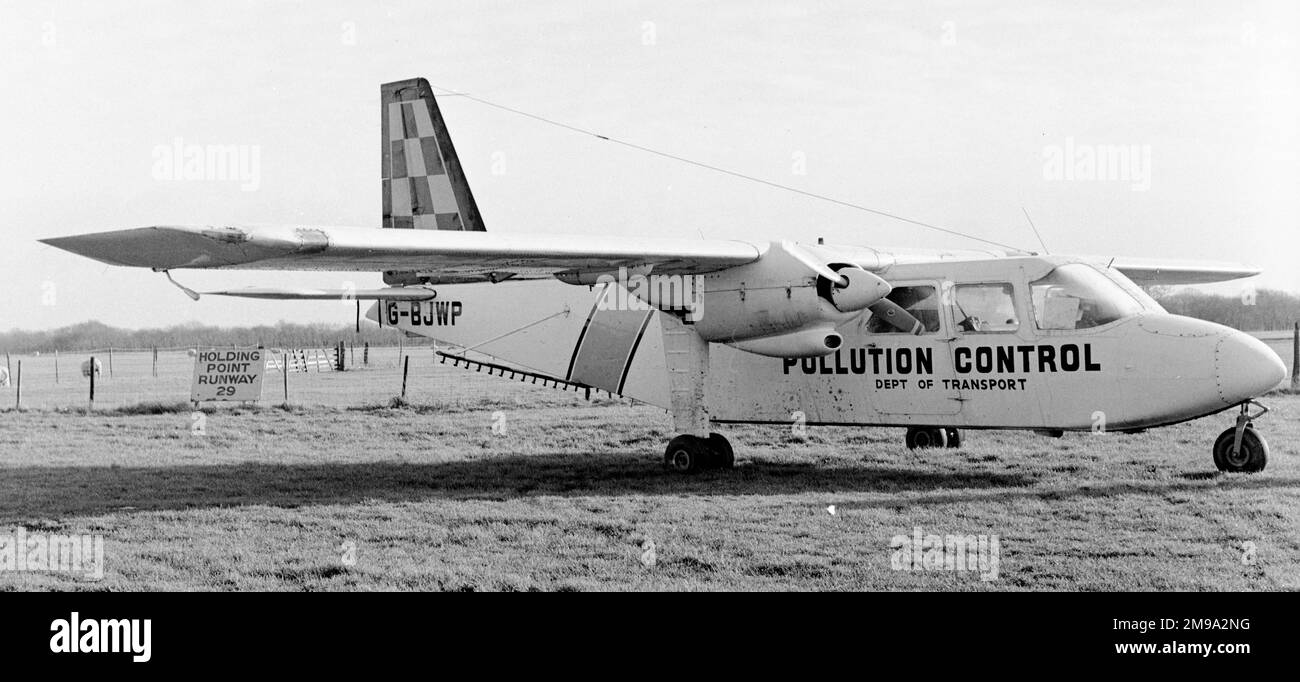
pixel 954 436
pixel 1252 457
pixel 926 437
pixel 687 454
pixel 723 456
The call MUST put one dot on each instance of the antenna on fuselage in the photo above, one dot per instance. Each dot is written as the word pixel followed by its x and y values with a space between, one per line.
pixel 1034 227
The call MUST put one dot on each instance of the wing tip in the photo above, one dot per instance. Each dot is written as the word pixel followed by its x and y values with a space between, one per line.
pixel 75 244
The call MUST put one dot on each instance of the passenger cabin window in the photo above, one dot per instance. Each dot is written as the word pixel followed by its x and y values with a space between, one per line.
pixel 1076 296
pixel 982 308
pixel 906 310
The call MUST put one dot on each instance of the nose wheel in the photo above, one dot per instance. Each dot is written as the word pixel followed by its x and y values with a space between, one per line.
pixel 1241 448
pixel 932 437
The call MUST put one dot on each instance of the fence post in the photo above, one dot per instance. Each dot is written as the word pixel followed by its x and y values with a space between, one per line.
pixel 8 368
pixel 110 361
pixel 155 362
pixel 56 366
pixel 1295 358
pixel 406 366
pixel 365 355
pixel 18 396
pixel 92 383
pixel 284 369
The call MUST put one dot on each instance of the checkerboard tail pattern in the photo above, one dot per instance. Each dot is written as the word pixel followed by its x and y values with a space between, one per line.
pixel 424 185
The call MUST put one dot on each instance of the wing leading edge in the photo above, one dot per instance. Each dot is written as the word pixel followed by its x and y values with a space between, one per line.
pixel 443 256
pixel 449 256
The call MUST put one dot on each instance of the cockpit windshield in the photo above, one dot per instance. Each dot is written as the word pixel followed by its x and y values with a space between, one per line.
pixel 1148 303
pixel 1076 296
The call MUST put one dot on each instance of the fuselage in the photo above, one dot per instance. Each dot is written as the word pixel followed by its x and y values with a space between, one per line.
pixel 1031 342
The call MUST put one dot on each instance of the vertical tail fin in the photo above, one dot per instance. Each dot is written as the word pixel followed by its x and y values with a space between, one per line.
pixel 424 185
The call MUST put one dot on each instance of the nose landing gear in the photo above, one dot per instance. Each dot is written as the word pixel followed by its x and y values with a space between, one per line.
pixel 932 437
pixel 1241 448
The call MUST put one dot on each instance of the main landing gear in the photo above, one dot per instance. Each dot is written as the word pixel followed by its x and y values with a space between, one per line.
pixel 687 454
pixel 687 357
pixel 933 437
pixel 1241 448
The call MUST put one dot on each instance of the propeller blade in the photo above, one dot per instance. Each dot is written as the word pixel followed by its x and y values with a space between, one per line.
pixel 814 263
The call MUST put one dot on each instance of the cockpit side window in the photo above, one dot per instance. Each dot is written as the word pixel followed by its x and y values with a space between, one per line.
pixel 1076 296
pixel 906 310
pixel 984 308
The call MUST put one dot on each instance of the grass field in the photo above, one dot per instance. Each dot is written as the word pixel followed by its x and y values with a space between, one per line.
pixel 346 492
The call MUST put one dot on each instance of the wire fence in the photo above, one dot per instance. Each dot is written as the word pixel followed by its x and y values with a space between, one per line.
pixel 371 375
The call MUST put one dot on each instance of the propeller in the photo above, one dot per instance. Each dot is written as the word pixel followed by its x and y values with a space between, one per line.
pixel 814 263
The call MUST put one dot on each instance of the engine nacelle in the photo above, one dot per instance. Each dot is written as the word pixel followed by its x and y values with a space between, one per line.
pixel 785 304
pixel 805 343
pixel 789 294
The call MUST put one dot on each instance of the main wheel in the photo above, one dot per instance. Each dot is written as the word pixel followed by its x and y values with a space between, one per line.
pixel 723 456
pixel 688 454
pixel 926 437
pixel 1250 457
pixel 954 436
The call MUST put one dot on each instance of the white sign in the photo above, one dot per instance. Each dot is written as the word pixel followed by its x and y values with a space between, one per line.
pixel 228 375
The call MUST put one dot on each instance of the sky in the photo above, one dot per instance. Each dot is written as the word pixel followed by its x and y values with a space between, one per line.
pixel 955 114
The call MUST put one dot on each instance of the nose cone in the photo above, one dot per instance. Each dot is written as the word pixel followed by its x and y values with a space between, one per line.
pixel 1245 367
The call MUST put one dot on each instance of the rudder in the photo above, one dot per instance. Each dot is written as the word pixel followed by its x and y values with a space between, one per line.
pixel 424 185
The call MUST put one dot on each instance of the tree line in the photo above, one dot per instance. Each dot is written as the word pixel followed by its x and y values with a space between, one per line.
pixel 96 335
pixel 1262 310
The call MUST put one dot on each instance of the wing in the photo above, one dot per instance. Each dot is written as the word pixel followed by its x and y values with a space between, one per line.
pixel 1149 271
pixel 445 256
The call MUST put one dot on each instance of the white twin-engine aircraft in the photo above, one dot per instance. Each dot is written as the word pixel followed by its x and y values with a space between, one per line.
pixel 732 332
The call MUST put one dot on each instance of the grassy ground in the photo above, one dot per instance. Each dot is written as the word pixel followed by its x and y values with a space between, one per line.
pixel 562 494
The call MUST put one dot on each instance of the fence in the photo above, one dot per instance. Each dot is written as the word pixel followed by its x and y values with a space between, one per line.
pixel 372 376
pixel 301 360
